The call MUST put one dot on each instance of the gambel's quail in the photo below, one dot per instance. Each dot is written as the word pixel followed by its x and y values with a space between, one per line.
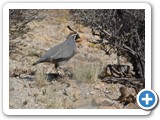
pixel 61 52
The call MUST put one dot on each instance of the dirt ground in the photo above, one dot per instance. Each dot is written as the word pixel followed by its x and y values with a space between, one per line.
pixel 33 87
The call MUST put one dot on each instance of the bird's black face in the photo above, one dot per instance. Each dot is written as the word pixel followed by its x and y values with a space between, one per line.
pixel 77 36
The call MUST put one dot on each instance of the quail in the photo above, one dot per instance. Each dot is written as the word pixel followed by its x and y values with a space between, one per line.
pixel 62 52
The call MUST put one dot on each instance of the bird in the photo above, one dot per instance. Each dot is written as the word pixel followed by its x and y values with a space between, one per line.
pixel 62 52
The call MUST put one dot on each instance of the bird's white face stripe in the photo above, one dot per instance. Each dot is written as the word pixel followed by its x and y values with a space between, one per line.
pixel 74 35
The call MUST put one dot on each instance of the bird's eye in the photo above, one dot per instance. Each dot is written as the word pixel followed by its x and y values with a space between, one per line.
pixel 74 35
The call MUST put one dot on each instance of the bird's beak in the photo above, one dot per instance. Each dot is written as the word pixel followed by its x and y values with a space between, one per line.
pixel 77 36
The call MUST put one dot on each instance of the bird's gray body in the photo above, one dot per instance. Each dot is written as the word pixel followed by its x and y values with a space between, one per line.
pixel 60 53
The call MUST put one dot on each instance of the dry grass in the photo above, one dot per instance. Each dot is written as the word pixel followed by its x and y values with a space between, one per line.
pixel 41 79
pixel 86 72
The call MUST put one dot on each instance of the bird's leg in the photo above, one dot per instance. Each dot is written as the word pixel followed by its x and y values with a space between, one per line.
pixel 56 67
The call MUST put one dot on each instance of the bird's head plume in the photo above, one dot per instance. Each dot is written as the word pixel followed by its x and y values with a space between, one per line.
pixel 74 34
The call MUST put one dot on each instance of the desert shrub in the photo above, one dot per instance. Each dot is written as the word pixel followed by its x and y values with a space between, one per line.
pixel 122 29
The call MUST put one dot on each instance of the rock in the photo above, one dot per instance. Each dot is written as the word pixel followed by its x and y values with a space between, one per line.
pixel 100 101
pixel 100 86
pixel 82 103
pixel 27 77
pixel 92 92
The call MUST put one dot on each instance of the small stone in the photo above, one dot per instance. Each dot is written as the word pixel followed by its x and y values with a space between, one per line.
pixel 92 92
pixel 25 103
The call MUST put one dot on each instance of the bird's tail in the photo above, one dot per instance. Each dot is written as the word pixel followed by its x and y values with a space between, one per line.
pixel 35 63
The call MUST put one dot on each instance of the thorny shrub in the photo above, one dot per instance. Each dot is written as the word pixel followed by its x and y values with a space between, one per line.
pixel 122 29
